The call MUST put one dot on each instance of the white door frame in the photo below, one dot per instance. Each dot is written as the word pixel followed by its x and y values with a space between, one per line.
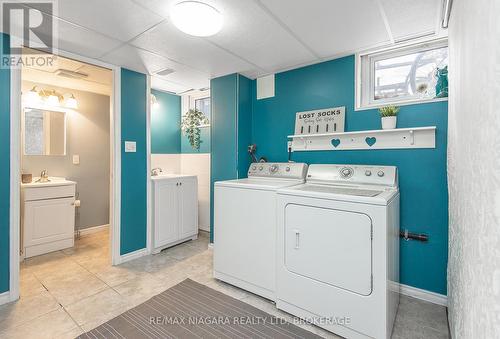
pixel 15 161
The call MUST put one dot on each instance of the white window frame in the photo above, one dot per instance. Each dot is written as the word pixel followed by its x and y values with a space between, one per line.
pixel 365 74
pixel 188 101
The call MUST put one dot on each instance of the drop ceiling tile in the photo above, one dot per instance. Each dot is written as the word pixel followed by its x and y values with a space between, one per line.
pixel 164 85
pixel 149 63
pixel 120 19
pixel 332 27
pixel 160 7
pixel 409 18
pixel 79 40
pixel 188 77
pixel 195 52
pixel 136 59
pixel 252 33
pixel 82 41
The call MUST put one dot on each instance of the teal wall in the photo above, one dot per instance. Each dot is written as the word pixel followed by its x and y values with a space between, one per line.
pixel 4 170
pixel 134 165
pixel 244 138
pixel 165 124
pixel 230 130
pixel 166 134
pixel 422 172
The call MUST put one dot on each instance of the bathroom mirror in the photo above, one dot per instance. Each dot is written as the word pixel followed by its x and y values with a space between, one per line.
pixel 44 132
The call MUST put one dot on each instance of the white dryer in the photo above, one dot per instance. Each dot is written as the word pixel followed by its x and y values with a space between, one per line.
pixel 338 249
pixel 245 226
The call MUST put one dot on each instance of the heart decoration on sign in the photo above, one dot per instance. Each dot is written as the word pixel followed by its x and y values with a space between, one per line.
pixel 335 142
pixel 371 141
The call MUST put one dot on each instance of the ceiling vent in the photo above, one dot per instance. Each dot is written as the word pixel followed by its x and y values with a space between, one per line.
pixel 165 72
pixel 66 73
pixel 186 91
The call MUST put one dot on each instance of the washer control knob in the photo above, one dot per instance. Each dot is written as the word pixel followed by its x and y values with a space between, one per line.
pixel 380 173
pixel 261 168
pixel 254 168
pixel 287 169
pixel 273 168
pixel 368 173
pixel 346 172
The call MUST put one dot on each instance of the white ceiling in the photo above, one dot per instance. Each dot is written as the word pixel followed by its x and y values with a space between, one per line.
pixel 259 37
pixel 98 80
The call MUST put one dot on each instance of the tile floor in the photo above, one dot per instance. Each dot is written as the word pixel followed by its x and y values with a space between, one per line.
pixel 68 292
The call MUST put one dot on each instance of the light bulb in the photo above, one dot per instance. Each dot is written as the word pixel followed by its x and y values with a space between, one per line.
pixel 196 18
pixel 53 100
pixel 31 98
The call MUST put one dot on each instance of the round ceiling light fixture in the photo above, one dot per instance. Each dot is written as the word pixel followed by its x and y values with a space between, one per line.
pixel 196 18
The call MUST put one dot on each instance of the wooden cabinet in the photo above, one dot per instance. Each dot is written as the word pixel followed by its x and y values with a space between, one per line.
pixel 175 210
pixel 48 218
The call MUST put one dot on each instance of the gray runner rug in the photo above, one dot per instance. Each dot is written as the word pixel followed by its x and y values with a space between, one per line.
pixel 192 310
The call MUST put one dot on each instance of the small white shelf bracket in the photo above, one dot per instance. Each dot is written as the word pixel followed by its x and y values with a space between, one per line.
pixel 399 138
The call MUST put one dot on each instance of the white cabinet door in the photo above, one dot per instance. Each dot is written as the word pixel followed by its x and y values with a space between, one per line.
pixel 188 207
pixel 166 212
pixel 46 221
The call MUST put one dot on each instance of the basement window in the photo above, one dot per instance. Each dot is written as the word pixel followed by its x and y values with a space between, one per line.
pixel 203 105
pixel 404 75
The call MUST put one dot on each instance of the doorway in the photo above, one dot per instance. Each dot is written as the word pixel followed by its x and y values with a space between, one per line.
pixel 65 120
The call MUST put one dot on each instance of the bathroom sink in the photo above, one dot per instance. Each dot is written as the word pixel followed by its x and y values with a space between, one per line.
pixel 53 181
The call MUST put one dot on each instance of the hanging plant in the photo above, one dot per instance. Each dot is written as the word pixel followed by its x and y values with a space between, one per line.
pixel 190 126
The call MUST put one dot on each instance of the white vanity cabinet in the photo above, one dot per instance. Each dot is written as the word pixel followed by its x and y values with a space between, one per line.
pixel 175 210
pixel 48 217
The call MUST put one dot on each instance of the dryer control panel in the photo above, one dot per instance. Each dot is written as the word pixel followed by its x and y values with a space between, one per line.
pixel 355 174
pixel 285 170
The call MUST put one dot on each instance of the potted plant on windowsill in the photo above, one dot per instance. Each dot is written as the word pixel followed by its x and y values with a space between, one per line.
pixel 389 115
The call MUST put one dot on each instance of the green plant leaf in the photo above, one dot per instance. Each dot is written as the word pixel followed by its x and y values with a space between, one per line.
pixel 190 126
pixel 389 111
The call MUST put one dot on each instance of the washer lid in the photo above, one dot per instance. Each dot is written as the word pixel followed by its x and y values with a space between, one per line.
pixel 363 193
pixel 342 190
pixel 259 183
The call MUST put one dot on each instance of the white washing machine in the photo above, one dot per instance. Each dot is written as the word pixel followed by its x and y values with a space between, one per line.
pixel 245 226
pixel 338 249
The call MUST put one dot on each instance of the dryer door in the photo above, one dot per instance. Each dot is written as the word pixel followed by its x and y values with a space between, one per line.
pixel 331 246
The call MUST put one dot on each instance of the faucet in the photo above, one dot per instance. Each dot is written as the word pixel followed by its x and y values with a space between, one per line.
pixel 156 171
pixel 44 176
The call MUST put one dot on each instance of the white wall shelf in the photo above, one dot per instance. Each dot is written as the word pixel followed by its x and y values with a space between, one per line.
pixel 418 137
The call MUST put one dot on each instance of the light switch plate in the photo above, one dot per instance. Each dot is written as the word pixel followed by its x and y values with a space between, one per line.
pixel 130 147
pixel 76 159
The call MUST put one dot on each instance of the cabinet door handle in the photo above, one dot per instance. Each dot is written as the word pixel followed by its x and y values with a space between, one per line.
pixel 297 239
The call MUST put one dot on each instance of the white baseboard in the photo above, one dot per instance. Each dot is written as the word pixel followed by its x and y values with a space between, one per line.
pixel 93 229
pixel 133 255
pixel 6 297
pixel 428 296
